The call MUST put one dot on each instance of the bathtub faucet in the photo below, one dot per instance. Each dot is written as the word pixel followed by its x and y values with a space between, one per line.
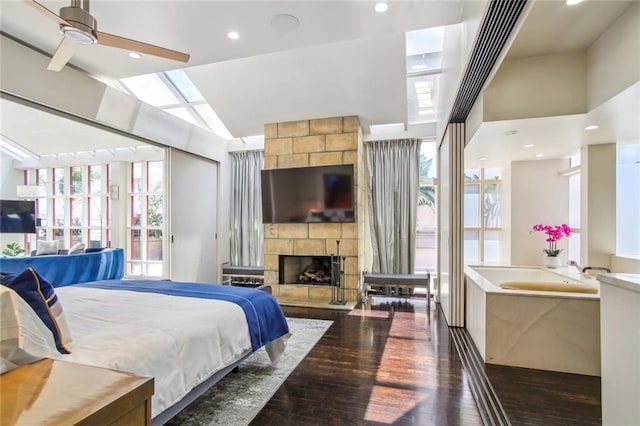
pixel 584 270
pixel 574 263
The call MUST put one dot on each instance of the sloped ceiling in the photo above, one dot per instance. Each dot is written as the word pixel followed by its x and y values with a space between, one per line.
pixel 344 58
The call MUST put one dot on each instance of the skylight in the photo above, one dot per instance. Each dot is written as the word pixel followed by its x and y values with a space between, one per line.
pixel 424 63
pixel 174 92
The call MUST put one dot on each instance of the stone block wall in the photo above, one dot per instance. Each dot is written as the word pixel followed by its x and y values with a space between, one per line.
pixel 309 143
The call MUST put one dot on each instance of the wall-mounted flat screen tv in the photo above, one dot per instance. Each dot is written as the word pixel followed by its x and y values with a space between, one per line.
pixel 308 194
pixel 17 217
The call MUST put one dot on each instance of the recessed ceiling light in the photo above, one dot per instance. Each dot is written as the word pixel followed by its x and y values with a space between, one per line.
pixel 572 2
pixel 482 158
pixel 233 35
pixel 284 23
pixel 135 55
pixel 539 155
pixel 381 7
pixel 529 145
pixel 592 127
pixel 510 132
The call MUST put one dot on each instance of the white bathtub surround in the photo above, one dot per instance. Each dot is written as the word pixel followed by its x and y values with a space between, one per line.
pixel 556 331
pixel 620 325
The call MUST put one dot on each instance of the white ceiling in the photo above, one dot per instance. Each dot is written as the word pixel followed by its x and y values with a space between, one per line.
pixel 344 59
pixel 552 27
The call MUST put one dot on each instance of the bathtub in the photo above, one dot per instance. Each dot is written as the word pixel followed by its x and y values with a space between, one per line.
pixel 556 328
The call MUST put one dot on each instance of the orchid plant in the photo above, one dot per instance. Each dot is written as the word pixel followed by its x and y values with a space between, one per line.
pixel 554 234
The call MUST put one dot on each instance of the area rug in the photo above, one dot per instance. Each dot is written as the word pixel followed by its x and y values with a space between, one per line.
pixel 237 398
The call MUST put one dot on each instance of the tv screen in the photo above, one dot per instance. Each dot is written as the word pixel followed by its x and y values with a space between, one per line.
pixel 308 194
pixel 17 217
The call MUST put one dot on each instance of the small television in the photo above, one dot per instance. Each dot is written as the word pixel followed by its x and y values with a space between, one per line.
pixel 308 194
pixel 17 217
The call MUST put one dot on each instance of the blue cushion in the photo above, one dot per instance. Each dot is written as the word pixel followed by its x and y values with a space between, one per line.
pixel 42 298
pixel 61 270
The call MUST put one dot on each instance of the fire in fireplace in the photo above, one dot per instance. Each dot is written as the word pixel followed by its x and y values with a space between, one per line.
pixel 310 270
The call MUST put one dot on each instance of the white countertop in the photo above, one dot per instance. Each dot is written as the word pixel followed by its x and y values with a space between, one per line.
pixel 629 282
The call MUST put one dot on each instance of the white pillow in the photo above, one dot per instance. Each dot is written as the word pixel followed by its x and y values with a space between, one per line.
pixel 24 338
pixel 47 247
pixel 76 248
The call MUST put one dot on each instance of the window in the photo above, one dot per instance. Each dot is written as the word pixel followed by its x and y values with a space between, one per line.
pixel 426 216
pixel 628 200
pixel 573 243
pixel 145 219
pixel 174 92
pixel 75 205
pixel 482 232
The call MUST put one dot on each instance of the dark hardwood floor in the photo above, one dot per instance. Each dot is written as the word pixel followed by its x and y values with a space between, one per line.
pixel 536 397
pixel 393 361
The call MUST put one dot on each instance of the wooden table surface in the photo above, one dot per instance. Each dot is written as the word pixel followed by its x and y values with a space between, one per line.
pixel 51 392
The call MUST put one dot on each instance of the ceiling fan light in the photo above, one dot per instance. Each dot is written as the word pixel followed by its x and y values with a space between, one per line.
pixel 78 35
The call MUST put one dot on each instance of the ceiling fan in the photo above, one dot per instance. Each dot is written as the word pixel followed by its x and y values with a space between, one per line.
pixel 80 28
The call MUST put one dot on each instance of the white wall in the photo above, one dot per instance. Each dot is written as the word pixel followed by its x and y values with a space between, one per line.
pixel 24 73
pixel 539 86
pixel 614 59
pixel 443 230
pixel 9 178
pixel 457 44
pixel 538 195
pixel 598 204
pixel 505 217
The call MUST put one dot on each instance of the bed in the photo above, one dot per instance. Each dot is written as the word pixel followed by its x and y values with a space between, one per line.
pixel 185 335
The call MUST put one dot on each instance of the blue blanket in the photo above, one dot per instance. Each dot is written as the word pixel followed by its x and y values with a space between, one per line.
pixel 264 316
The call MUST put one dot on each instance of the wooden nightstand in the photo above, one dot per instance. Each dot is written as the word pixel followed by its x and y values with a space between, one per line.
pixel 51 392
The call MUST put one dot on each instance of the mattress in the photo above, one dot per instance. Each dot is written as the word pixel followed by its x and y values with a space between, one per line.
pixel 180 341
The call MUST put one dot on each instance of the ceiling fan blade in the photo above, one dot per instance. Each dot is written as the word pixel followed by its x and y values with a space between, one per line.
pixel 140 47
pixel 65 51
pixel 46 12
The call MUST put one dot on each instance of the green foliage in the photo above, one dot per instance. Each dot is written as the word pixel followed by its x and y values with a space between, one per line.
pixel 427 191
pixel 12 250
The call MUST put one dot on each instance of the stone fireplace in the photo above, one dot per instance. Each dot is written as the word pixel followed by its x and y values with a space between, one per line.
pixel 310 143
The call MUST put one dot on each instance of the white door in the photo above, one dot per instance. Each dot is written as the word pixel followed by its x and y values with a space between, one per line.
pixel 193 193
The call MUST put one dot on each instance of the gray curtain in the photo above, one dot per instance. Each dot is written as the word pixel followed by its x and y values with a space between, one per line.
pixel 246 208
pixel 393 203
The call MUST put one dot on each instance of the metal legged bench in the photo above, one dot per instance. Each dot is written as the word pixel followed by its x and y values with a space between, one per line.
pixel 398 280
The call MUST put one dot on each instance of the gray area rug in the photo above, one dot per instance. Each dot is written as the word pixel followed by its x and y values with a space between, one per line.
pixel 237 398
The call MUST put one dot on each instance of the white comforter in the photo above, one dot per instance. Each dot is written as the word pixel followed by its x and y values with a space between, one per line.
pixel 180 341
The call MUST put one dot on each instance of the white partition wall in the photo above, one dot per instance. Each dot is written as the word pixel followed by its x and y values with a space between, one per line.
pixel 450 261
pixel 193 199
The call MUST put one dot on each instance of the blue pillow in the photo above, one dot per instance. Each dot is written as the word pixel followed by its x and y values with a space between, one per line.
pixel 93 249
pixel 42 298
